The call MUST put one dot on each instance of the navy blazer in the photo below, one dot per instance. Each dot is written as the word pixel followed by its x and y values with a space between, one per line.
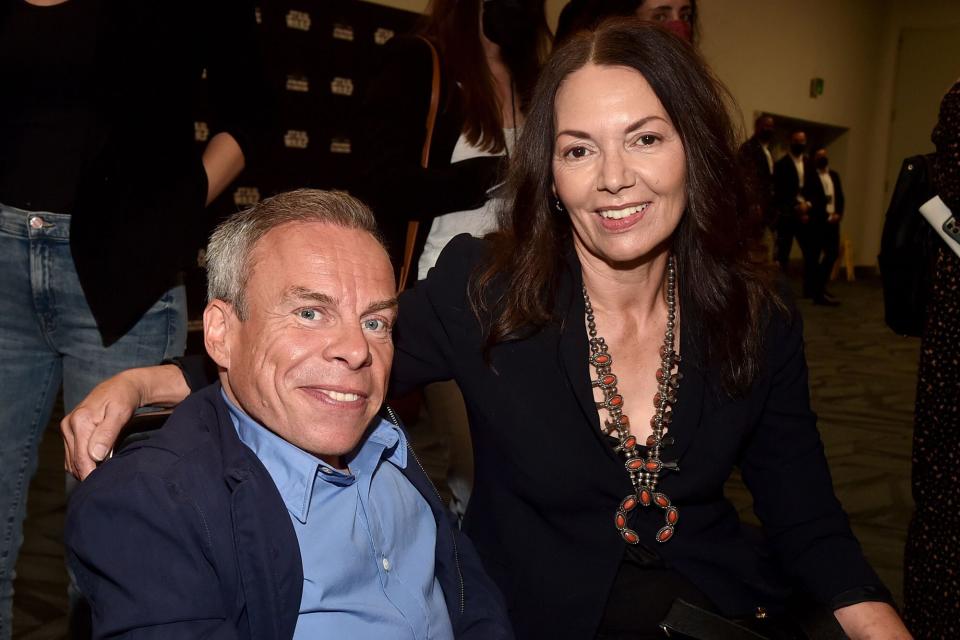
pixel 184 535
pixel 547 482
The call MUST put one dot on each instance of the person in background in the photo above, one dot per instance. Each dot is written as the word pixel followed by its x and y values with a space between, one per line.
pixel 102 197
pixel 276 500
pixel 489 55
pixel 796 191
pixel 679 16
pixel 757 163
pixel 824 229
pixel 931 581
pixel 621 349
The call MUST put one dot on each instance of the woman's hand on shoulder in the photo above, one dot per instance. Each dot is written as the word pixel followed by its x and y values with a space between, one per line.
pixel 871 621
pixel 90 430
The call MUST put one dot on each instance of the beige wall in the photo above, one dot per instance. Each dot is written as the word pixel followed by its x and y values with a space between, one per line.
pixel 766 52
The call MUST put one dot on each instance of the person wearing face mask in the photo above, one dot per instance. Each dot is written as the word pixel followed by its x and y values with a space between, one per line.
pixel 489 53
pixel 796 192
pixel 757 163
pixel 679 16
pixel 824 229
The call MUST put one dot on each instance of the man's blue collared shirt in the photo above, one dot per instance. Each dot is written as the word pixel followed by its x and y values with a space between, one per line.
pixel 367 537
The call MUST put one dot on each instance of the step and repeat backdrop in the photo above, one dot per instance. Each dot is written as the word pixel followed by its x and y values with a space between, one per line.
pixel 318 57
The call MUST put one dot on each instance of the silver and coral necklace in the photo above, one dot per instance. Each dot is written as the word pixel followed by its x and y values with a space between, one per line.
pixel 644 471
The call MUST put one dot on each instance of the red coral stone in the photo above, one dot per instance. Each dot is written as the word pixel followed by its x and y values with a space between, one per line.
pixel 620 521
pixel 615 401
pixel 672 515
pixel 601 359
pixel 609 380
pixel 634 464
pixel 625 422
pixel 630 536
pixel 628 503
pixel 661 500
pixel 652 465
pixel 645 497
pixel 630 441
pixel 659 375
pixel 665 534
pixel 656 400
pixel 651 440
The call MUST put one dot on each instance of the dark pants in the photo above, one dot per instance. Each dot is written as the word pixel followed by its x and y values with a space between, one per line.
pixel 820 243
pixel 786 229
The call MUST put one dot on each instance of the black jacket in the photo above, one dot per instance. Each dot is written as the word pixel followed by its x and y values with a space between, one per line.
pixel 547 483
pixel 141 199
pixel 819 211
pixel 758 176
pixel 786 186
pixel 185 535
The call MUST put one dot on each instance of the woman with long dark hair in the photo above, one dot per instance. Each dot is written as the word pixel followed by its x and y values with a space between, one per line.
pixel 601 455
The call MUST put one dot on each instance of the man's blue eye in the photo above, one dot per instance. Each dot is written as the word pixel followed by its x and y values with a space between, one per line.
pixel 374 324
pixel 308 314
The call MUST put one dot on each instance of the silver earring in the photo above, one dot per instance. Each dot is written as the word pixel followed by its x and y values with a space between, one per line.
pixel 558 205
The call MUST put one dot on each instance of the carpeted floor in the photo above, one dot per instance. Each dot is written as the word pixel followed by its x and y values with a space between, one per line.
pixel 862 383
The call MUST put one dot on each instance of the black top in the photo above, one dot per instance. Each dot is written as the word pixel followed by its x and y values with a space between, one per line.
pixel 547 483
pixel 140 188
pixel 47 123
pixel 391 142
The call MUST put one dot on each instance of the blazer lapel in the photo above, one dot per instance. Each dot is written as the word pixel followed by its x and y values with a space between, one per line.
pixel 268 554
pixel 574 348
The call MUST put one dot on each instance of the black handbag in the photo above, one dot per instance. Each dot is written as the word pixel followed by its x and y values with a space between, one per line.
pixel 907 248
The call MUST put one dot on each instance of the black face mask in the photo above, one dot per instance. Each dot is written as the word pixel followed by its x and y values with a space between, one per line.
pixel 822 163
pixel 765 136
pixel 508 23
pixel 797 149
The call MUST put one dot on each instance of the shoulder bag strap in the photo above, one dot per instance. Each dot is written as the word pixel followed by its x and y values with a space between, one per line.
pixel 413 226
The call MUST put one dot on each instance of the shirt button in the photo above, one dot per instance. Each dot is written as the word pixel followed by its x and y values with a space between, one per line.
pixel 326 471
pixel 386 565
pixel 36 222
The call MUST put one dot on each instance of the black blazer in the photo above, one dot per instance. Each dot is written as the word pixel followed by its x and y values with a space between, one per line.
pixel 391 140
pixel 758 176
pixel 140 203
pixel 547 482
pixel 786 186
pixel 205 547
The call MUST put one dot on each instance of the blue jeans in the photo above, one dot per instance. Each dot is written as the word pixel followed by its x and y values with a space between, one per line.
pixel 47 337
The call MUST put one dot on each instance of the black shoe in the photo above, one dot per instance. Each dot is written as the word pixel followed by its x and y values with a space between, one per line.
pixel 822 301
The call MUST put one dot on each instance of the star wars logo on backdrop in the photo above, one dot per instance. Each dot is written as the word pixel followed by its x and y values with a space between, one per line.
pixel 299 20
pixel 343 32
pixel 201 131
pixel 341 145
pixel 258 15
pixel 246 196
pixel 298 83
pixel 296 139
pixel 341 86
pixel 382 35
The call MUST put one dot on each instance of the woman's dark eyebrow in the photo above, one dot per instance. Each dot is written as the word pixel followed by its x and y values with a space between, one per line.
pixel 632 127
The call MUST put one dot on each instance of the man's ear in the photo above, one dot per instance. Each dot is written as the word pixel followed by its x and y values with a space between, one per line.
pixel 219 319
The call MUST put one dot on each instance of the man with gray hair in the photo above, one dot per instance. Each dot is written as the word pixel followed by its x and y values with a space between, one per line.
pixel 277 503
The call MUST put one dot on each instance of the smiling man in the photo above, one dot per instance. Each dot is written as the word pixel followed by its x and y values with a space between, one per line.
pixel 277 503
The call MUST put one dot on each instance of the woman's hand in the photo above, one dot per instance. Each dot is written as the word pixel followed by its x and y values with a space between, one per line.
pixel 90 430
pixel 871 621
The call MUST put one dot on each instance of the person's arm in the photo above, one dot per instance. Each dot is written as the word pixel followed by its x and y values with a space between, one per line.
pixel 238 94
pixel 141 555
pixel 90 430
pixel 223 161
pixel 430 315
pixel 838 201
pixel 784 466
